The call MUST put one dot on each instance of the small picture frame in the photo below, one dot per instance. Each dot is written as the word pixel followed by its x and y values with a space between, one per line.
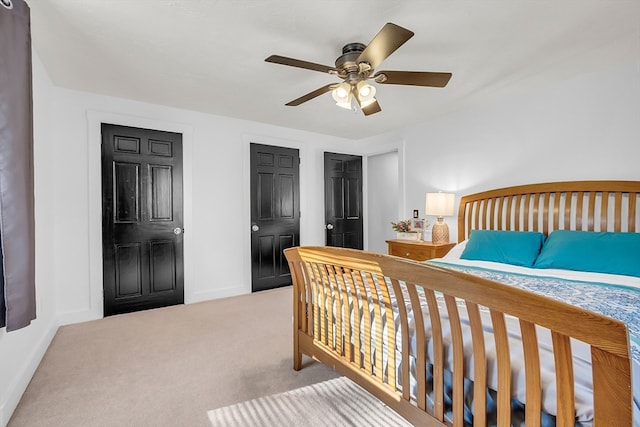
pixel 417 224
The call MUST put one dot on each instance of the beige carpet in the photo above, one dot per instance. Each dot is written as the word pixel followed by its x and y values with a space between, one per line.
pixel 337 402
pixel 167 367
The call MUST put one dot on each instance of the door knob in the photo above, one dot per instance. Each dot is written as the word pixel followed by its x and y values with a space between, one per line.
pixel 255 227
pixel 329 226
pixel 177 231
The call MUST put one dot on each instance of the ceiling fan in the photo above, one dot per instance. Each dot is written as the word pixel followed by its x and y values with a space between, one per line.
pixel 356 68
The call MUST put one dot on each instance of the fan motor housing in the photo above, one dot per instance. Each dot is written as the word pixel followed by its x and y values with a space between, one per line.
pixel 347 62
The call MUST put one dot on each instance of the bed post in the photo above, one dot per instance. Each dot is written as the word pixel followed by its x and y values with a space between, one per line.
pixel 294 266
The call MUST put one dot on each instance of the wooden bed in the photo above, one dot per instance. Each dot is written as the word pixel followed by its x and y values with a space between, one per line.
pixel 334 286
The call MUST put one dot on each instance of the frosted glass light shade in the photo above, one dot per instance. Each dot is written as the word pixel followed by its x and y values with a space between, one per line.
pixel 342 95
pixel 365 91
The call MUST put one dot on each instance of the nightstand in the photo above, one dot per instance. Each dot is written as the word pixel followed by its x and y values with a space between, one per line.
pixel 418 250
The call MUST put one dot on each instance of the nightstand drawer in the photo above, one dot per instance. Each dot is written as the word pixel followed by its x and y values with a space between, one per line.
pixel 419 250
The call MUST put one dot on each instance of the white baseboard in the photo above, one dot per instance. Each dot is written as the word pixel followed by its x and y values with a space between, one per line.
pixel 17 387
pixel 218 293
pixel 78 316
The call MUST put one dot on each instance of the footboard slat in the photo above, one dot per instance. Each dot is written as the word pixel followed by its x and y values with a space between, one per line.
pixel 564 379
pixel 458 361
pixel 533 408
pixel 357 314
pixel 378 341
pixel 343 323
pixel 421 352
pixel 333 310
pixel 309 298
pixel 387 312
pixel 340 311
pixel 342 295
pixel 366 322
pixel 479 365
pixel 316 283
pixel 323 289
pixel 404 327
pixel 504 368
pixel 438 354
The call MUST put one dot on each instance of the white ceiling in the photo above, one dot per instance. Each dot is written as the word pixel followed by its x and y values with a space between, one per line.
pixel 208 55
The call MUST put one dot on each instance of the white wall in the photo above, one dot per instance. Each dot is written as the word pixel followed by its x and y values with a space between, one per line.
pixel 585 128
pixel 217 222
pixel 382 199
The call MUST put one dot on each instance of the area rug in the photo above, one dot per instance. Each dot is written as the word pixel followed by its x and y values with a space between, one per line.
pixel 336 402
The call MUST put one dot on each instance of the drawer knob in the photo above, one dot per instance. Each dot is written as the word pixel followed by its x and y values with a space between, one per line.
pixel 408 254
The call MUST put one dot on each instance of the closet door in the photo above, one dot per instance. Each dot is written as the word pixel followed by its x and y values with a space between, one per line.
pixel 275 213
pixel 142 240
pixel 343 200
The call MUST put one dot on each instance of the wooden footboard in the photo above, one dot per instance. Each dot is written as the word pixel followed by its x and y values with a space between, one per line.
pixel 353 309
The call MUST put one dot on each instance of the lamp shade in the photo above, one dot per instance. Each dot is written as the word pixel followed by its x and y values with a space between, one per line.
pixel 439 204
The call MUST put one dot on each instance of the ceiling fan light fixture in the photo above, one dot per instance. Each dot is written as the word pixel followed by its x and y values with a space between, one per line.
pixel 356 68
pixel 366 91
pixel 342 95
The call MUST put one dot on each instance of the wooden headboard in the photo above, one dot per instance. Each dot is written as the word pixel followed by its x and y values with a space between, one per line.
pixel 570 205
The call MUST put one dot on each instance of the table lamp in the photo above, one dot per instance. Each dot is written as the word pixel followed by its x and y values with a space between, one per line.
pixel 440 205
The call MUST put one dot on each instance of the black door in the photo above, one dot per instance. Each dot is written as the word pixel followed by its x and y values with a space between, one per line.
pixel 343 200
pixel 275 214
pixel 142 239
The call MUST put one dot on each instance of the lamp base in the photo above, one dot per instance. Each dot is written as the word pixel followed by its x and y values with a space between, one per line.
pixel 440 232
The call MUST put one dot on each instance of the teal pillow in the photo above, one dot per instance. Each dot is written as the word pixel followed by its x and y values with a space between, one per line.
pixel 508 247
pixel 599 252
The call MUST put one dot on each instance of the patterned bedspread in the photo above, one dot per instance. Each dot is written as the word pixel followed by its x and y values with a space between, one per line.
pixel 617 301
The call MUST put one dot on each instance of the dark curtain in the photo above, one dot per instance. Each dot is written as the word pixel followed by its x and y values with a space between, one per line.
pixel 3 307
pixel 16 166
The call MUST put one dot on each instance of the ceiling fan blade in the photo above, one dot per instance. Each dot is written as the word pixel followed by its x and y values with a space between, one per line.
pixel 413 78
pixel 371 108
pixel 390 38
pixel 311 95
pixel 283 60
